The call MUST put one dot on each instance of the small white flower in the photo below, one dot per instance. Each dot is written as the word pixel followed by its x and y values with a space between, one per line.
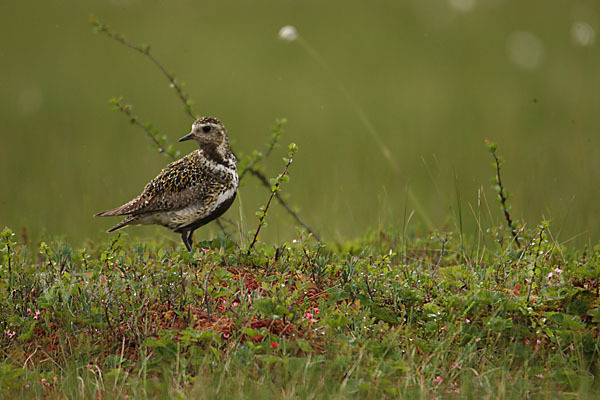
pixel 288 33
pixel 583 34
pixel 462 5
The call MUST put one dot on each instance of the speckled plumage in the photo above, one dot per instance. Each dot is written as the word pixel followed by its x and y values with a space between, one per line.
pixel 189 192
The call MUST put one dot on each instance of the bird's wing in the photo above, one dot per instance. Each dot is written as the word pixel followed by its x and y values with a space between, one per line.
pixel 176 186
pixel 179 185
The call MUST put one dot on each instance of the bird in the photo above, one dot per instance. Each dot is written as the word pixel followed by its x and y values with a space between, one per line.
pixel 190 192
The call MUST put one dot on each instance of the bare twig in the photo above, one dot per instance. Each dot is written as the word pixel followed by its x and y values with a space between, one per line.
pixel 145 50
pixel 369 291
pixel 444 240
pixel 127 110
pixel 277 131
pixel 105 304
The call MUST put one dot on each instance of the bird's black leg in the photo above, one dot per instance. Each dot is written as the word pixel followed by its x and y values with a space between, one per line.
pixel 185 239
pixel 191 238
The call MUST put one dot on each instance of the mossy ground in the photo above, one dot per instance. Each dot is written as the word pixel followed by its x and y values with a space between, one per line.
pixel 387 315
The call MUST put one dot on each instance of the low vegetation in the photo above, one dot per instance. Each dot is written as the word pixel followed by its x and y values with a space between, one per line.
pixel 390 314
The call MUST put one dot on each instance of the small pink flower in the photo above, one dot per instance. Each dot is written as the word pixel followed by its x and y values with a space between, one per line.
pixel 571 347
pixel 10 333
pixel 226 335
pixel 44 381
pixel 541 376
pixel 467 320
pixel 313 320
pixel 317 310
pixel 37 314
pixel 558 271
pixel 234 304
pixel 205 250
pixel 55 379
pixel 527 341
pixel 27 385
pixel 477 340
pixel 550 275
pixel 274 345
pixel 438 379
pixel 308 315
pixel 29 311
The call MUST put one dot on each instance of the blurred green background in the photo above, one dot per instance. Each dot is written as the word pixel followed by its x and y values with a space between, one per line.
pixel 435 78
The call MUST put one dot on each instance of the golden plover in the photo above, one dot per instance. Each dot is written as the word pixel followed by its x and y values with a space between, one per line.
pixel 189 192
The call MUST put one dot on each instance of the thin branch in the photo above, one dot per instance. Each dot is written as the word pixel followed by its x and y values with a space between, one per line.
pixel 263 179
pixel 369 291
pixel 104 303
pixel 274 192
pixel 277 131
pixel 441 256
pixel 145 50
pixel 501 194
pixel 503 200
pixel 126 109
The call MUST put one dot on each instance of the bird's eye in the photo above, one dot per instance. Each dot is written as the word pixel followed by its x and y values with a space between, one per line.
pixel 206 128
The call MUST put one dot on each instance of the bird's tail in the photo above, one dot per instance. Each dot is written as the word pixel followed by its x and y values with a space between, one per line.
pixel 125 209
pixel 122 224
pixel 121 210
pixel 108 213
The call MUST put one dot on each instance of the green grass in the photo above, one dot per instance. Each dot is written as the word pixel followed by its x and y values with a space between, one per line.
pixel 390 314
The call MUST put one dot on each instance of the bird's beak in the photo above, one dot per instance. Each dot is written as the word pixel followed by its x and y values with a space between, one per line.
pixel 187 137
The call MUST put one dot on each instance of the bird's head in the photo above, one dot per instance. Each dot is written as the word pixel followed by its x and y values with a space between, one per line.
pixel 207 130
